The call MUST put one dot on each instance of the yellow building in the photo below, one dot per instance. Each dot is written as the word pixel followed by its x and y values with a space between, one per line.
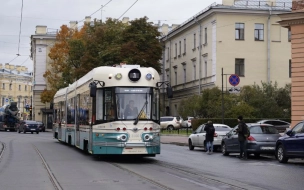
pixel 16 86
pixel 240 37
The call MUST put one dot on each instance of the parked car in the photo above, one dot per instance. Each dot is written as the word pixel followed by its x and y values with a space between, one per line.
pixel 280 125
pixel 28 126
pixel 187 122
pixel 41 126
pixel 197 138
pixel 170 122
pixel 262 140
pixel 291 144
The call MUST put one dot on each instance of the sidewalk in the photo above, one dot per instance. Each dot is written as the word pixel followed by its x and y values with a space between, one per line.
pixel 181 140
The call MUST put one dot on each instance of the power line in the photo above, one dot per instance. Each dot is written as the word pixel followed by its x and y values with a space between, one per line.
pixel 128 9
pixel 20 27
pixel 13 59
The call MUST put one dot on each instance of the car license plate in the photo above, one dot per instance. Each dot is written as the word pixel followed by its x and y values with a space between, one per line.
pixel 267 148
pixel 33 129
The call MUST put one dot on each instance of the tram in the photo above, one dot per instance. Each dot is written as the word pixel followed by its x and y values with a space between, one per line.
pixel 111 111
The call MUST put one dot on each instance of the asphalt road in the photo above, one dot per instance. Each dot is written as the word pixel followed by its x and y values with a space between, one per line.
pixel 38 162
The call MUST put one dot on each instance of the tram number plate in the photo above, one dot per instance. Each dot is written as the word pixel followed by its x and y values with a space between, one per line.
pixel 134 135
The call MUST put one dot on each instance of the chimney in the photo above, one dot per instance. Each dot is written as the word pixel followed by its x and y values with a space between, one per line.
pixel 165 29
pixel 73 24
pixel 87 20
pixel 40 29
pixel 0 65
pixel 7 65
pixel 228 2
pixel 125 20
pixel 12 67
pixel 174 26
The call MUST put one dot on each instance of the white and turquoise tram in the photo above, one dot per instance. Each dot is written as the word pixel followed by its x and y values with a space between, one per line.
pixel 94 114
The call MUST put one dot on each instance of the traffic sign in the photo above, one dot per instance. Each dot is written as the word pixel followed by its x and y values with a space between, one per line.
pixel 6 100
pixel 234 80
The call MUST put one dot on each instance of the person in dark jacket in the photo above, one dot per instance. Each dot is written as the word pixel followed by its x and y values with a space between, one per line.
pixel 241 130
pixel 209 128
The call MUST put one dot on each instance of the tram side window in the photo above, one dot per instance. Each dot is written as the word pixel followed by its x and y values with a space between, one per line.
pixel 109 105
pixel 99 103
pixel 155 105
pixel 85 109
pixel 71 111
pixel 62 110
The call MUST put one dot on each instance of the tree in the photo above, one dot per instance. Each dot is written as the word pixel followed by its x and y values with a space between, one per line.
pixel 47 95
pixel 141 45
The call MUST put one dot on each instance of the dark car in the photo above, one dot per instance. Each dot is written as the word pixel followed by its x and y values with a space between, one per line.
pixel 262 140
pixel 291 145
pixel 41 126
pixel 280 125
pixel 28 126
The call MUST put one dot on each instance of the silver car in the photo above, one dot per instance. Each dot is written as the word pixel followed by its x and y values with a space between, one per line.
pixel 197 138
pixel 262 140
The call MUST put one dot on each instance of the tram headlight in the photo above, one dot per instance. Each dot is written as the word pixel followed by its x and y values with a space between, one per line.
pixel 148 137
pixel 122 137
pixel 118 76
pixel 149 76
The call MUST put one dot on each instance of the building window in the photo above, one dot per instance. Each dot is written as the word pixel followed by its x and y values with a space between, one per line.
pixel 289 35
pixel 175 50
pixel 259 32
pixel 194 71
pixel 168 54
pixel 194 41
pixel 239 31
pixel 206 69
pixel 185 75
pixel 3 101
pixel 239 67
pixel 185 45
pixel 19 100
pixel 180 48
pixel 289 68
pixel 19 87
pixel 10 86
pixel 205 35
pixel 3 85
pixel 25 87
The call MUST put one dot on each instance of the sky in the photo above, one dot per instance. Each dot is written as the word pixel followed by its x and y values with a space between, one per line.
pixel 15 40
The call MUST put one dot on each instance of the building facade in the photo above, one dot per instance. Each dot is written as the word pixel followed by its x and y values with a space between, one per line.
pixel 16 86
pixel 295 23
pixel 238 37
pixel 41 43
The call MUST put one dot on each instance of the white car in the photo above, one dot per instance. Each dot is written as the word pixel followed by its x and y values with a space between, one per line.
pixel 197 138
pixel 187 123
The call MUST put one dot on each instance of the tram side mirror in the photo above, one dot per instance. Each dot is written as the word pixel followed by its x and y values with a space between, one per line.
pixel 169 92
pixel 93 89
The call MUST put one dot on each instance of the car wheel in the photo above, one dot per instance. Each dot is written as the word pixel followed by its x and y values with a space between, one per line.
pixel 257 155
pixel 18 130
pixel 32 132
pixel 37 132
pixel 191 147
pixel 205 146
pixel 43 130
pixel 281 155
pixel 224 150
pixel 170 127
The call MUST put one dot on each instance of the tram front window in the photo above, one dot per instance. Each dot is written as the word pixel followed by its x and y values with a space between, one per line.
pixel 133 102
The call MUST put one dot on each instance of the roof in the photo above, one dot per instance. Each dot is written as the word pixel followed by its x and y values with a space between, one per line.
pixel 247 5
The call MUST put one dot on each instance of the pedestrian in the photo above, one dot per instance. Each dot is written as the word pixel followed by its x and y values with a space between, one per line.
pixel 242 131
pixel 209 128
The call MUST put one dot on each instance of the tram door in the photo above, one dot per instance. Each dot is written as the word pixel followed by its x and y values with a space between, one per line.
pixel 61 115
pixel 77 120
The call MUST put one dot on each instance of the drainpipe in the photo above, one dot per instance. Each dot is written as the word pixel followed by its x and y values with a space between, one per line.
pixel 164 69
pixel 268 46
pixel 169 99
pixel 199 55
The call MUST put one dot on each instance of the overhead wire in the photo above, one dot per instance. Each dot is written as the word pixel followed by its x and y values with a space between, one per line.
pixel 20 27
pixel 128 9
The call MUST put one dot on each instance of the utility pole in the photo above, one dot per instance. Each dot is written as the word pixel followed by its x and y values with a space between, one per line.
pixel 222 95
pixel 101 13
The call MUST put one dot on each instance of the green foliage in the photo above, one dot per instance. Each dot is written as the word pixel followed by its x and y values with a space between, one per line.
pixel 254 101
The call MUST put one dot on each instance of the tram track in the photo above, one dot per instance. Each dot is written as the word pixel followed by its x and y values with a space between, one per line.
pixel 52 177
pixel 190 175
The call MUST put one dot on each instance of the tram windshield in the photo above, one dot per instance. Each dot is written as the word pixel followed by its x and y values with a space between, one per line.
pixel 127 103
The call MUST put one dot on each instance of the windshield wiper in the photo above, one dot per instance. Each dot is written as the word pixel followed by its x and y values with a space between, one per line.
pixel 136 120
